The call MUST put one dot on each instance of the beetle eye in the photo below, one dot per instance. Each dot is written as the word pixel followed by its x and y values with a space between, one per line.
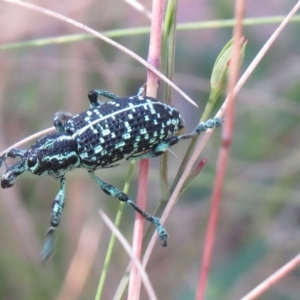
pixel 32 160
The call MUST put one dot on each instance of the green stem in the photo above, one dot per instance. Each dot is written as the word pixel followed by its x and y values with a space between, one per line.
pixel 113 238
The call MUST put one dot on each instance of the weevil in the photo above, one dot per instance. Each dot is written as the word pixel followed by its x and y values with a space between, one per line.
pixel 122 128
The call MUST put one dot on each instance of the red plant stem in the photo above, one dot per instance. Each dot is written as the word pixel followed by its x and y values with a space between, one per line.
pixel 207 134
pixel 224 153
pixel 155 46
pixel 135 280
pixel 152 83
pixel 212 223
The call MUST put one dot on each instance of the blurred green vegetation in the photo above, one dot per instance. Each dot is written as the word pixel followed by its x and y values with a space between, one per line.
pixel 260 210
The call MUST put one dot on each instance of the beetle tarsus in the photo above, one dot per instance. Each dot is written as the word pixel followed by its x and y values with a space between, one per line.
pixel 49 244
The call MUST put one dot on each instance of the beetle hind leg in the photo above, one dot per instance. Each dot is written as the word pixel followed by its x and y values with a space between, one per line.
pixel 165 145
pixel 116 193
pixel 203 126
pixel 158 150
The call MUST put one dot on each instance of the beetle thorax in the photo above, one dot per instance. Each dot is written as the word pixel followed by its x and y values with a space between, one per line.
pixel 56 154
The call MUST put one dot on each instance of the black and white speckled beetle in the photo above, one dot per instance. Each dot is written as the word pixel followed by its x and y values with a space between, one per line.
pixel 122 128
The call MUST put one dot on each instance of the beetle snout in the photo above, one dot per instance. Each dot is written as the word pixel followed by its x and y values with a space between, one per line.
pixel 9 177
pixel 7 181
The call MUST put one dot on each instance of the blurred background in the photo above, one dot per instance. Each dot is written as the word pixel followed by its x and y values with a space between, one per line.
pixel 260 211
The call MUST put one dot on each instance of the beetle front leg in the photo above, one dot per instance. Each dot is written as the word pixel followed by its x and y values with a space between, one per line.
pixel 12 153
pixel 116 193
pixel 57 208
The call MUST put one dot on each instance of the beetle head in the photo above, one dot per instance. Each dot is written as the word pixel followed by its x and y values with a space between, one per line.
pixel 53 155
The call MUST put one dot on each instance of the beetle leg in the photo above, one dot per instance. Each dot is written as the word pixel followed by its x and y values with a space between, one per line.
pixel 57 208
pixel 110 166
pixel 142 90
pixel 163 146
pixel 93 98
pixel 94 94
pixel 157 150
pixel 203 126
pixel 12 153
pixel 60 118
pixel 116 193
